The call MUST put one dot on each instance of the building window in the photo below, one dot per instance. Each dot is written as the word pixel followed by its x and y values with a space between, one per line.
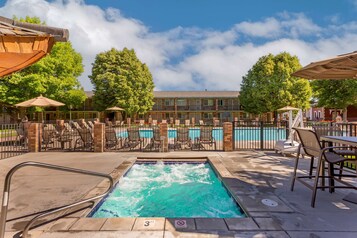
pixel 169 102
pixel 181 102
pixel 208 102
pixel 207 115
pixel 220 102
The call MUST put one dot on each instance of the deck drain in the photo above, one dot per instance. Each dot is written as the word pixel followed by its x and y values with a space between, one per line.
pixel 269 202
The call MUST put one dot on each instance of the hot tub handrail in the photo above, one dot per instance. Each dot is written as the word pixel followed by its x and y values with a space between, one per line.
pixel 6 193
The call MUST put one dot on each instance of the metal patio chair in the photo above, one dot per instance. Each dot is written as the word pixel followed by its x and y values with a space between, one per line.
pixel 155 141
pixel 48 137
pixel 85 140
pixel 182 138
pixel 134 139
pixel 112 140
pixel 312 147
pixel 206 138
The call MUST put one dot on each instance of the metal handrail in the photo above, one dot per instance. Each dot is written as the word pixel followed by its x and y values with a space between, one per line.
pixel 6 193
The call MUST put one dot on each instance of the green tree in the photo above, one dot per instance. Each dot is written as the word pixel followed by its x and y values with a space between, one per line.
pixel 269 85
pixel 336 94
pixel 120 79
pixel 54 76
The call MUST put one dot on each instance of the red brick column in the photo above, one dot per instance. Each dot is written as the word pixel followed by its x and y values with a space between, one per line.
pixel 99 137
pixel 227 136
pixel 164 133
pixel 34 137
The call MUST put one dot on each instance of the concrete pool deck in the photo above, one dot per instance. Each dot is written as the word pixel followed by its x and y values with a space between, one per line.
pixel 250 175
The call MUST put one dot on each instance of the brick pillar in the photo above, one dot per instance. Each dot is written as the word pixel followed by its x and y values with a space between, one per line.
pixel 227 136
pixel 164 133
pixel 128 121
pixel 99 140
pixel 34 135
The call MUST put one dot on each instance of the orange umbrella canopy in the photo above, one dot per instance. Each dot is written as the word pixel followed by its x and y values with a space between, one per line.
pixel 22 44
pixel 40 102
pixel 340 67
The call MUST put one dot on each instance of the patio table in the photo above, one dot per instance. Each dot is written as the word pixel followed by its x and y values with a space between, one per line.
pixel 345 140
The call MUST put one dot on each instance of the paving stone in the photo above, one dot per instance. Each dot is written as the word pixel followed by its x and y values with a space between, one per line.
pixel 149 224
pixel 268 224
pixel 102 234
pixel 211 224
pixel 182 224
pixel 178 234
pixel 88 224
pixel 319 234
pixel 253 203
pixel 118 224
pixel 268 234
pixel 259 214
pixel 63 224
pixel 243 224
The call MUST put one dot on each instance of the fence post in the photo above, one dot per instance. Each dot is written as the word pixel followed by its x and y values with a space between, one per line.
pixel 261 135
pixel 99 137
pixel 233 135
pixel 227 136
pixel 164 137
pixel 34 137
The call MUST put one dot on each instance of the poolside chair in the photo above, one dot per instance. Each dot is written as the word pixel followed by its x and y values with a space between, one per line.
pixel 134 139
pixel 67 127
pixel 163 121
pixel 312 147
pixel 90 124
pixel 48 137
pixel 112 140
pixel 205 138
pixel 177 122
pixel 85 140
pixel 141 122
pixel 201 123
pixel 76 125
pixel 182 139
pixel 154 123
pixel 187 123
pixel 155 142
pixel 21 135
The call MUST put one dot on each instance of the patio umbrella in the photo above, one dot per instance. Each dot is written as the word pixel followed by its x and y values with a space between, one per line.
pixel 114 109
pixel 23 44
pixel 340 67
pixel 288 108
pixel 40 102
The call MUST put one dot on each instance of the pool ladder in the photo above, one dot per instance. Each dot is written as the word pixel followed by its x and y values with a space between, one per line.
pixel 42 214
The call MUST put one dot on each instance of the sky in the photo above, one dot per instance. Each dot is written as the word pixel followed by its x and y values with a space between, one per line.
pixel 199 44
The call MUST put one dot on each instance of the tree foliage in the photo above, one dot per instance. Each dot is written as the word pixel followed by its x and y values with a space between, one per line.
pixel 54 76
pixel 335 93
pixel 269 85
pixel 120 79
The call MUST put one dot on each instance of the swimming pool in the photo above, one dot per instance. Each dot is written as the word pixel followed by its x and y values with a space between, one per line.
pixel 243 134
pixel 169 190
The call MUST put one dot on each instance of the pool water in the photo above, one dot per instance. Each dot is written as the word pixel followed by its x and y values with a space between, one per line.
pixel 169 190
pixel 245 134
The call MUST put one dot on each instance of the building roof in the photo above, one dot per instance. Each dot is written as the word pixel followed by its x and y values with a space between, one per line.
pixel 188 94
pixel 196 94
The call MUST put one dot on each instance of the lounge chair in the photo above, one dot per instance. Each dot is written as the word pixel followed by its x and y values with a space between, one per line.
pixel 312 147
pixel 201 123
pixel 182 138
pixel 76 125
pixel 90 124
pixel 177 122
pixel 134 139
pixel 155 142
pixel 85 140
pixel 206 137
pixel 154 123
pixel 141 122
pixel 187 122
pixel 48 137
pixel 112 140
pixel 163 121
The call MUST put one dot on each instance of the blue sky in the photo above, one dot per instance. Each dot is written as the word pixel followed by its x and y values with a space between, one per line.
pixel 199 44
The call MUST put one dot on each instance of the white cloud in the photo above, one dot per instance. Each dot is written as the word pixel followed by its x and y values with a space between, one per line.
pixel 189 58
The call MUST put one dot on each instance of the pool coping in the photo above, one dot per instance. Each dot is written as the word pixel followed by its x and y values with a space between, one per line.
pixel 78 221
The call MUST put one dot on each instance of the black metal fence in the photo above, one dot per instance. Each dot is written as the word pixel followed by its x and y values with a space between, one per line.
pixel 13 140
pixel 179 138
pixel 258 135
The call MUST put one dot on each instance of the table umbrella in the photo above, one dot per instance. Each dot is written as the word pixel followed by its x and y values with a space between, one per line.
pixel 40 102
pixel 114 109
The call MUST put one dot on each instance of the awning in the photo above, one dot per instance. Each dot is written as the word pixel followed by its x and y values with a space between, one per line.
pixel 22 44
